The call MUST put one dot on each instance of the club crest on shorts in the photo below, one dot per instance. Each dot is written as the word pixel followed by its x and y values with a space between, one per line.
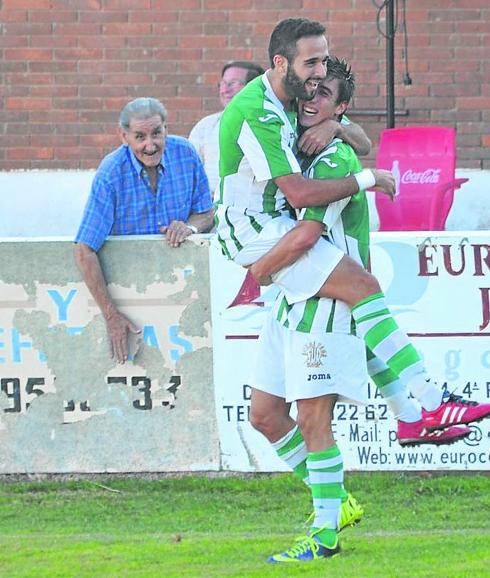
pixel 314 353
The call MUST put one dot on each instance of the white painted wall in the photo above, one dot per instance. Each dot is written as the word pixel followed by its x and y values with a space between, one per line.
pixel 50 203
pixel 42 203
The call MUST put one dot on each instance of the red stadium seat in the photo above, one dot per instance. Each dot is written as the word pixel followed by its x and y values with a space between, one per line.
pixel 423 160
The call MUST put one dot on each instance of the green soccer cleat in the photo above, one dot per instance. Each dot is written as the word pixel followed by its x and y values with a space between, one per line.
pixel 305 549
pixel 351 513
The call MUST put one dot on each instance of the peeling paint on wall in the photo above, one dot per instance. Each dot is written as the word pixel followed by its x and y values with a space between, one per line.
pixel 65 405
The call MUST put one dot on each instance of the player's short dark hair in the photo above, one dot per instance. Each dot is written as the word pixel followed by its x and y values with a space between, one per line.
pixel 253 69
pixel 287 33
pixel 340 69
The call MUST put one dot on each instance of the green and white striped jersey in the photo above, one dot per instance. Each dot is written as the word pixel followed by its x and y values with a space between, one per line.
pixel 347 227
pixel 256 140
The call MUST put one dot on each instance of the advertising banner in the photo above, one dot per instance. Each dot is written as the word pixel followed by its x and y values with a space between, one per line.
pixel 438 289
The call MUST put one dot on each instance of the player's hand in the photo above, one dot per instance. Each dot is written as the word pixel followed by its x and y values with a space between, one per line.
pixel 260 278
pixel 317 137
pixel 385 182
pixel 176 233
pixel 118 329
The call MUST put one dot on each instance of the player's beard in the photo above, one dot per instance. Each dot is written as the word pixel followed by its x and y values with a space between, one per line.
pixel 295 86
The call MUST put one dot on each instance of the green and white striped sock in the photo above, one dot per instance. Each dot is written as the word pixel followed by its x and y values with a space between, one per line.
pixel 393 390
pixel 292 449
pixel 326 472
pixel 376 325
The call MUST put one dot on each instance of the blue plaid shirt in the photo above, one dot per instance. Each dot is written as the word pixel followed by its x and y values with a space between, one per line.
pixel 122 202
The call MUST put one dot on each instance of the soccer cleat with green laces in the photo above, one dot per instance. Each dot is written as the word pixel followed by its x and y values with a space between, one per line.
pixel 305 549
pixel 351 512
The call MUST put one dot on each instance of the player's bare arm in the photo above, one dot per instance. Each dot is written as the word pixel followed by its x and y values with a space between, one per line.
pixel 302 192
pixel 294 244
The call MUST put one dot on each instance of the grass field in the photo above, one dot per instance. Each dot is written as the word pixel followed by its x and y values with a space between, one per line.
pixel 415 527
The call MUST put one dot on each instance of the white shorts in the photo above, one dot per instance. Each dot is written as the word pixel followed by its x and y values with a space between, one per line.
pixel 302 279
pixel 295 365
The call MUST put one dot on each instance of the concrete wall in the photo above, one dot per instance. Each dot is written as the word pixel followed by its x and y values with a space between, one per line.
pixel 65 406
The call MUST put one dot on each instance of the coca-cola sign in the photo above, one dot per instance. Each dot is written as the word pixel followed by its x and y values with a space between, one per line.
pixel 427 176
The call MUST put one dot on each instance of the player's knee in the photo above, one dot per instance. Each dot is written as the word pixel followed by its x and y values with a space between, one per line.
pixel 366 285
pixel 261 421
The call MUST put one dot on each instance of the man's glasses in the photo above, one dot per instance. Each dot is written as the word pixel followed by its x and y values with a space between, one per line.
pixel 230 83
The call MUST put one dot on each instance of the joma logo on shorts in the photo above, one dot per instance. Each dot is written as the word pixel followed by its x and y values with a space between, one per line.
pixel 318 376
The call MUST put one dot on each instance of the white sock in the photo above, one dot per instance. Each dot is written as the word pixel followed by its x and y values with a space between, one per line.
pixel 426 392
pixel 404 408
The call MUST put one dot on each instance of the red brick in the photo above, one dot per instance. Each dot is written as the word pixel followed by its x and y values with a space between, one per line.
pixel 26 4
pixel 127 4
pixel 103 17
pixel 182 5
pixel 161 16
pixel 126 29
pixel 77 103
pixel 14 42
pixel 281 4
pixel 117 103
pixel 149 42
pixel 78 79
pixel 29 153
pixel 13 15
pixel 64 116
pixel 39 54
pixel 76 4
pixel 28 29
pixel 78 29
pixel 78 54
pixel 102 42
pixel 126 79
pixel 474 102
pixel 225 54
pixel 29 79
pixel 54 140
pixel 52 16
pixel 53 41
pixel 102 66
pixel 107 140
pixel 203 41
pixel 485 140
pixel 235 4
pixel 27 103
pixel 180 54
pixel 63 67
pixel 64 91
pixel 202 17
pixel 14 140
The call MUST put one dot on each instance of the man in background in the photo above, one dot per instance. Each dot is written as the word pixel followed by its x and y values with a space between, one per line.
pixel 205 133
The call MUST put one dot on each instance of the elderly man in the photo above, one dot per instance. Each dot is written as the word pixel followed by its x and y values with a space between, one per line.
pixel 151 184
pixel 205 133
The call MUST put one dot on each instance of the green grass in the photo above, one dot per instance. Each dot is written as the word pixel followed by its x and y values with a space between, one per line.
pixel 193 526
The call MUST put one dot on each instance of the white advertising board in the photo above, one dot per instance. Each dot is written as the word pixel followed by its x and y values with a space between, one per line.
pixel 438 289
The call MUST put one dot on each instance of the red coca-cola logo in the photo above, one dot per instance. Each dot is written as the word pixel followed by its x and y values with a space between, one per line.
pixel 427 176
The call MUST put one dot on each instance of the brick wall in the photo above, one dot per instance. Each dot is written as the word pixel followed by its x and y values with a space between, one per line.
pixel 67 67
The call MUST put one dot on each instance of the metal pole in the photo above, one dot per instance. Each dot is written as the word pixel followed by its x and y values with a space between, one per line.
pixel 390 64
